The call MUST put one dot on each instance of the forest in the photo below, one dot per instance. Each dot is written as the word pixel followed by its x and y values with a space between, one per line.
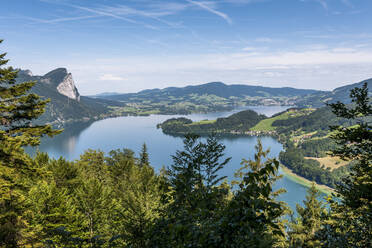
pixel 304 132
pixel 239 122
pixel 118 200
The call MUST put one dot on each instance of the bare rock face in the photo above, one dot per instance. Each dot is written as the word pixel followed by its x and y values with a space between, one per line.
pixel 67 87
pixel 28 73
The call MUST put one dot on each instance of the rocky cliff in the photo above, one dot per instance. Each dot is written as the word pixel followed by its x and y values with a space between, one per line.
pixel 67 87
pixel 66 105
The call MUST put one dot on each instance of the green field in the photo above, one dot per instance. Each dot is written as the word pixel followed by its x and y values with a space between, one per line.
pixel 267 124
pixel 203 122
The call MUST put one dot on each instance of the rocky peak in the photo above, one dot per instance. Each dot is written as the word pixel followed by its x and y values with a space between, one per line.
pixel 26 72
pixel 67 88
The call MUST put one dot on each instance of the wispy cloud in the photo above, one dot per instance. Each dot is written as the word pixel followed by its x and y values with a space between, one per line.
pixel 64 19
pixel 97 11
pixel 204 6
pixel 104 13
pixel 123 10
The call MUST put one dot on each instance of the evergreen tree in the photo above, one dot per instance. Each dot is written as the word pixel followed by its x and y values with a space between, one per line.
pixel 350 221
pixel 18 109
pixel 144 156
pixel 138 191
pixel 196 196
pixel 253 216
pixel 302 229
pixel 50 200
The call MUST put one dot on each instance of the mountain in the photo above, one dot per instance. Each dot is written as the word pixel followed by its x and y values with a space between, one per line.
pixel 66 104
pixel 341 94
pixel 210 97
pixel 216 89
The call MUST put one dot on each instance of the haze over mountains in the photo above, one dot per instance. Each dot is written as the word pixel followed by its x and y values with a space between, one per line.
pixel 67 105
pixel 214 88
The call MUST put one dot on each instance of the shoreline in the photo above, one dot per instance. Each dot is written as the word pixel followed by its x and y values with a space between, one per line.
pixel 305 182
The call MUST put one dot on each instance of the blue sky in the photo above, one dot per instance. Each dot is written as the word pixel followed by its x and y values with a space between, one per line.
pixel 130 45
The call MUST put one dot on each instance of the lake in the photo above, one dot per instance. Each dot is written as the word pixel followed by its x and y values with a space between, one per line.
pixel 131 132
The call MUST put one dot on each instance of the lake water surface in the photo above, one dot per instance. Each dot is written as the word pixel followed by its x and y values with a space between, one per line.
pixel 131 132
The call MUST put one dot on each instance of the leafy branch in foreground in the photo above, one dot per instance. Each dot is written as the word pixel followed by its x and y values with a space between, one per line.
pixel 253 216
pixel 350 221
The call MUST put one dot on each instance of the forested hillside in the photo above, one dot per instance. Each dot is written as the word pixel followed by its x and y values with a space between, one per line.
pixel 69 106
pixel 319 99
pixel 208 97
pixel 238 122
pixel 304 132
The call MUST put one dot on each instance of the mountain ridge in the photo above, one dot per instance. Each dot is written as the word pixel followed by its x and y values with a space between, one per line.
pixel 338 94
pixel 66 104
pixel 219 89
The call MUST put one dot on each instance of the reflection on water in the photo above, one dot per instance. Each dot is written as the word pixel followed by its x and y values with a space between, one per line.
pixel 131 132
pixel 102 133
pixel 64 143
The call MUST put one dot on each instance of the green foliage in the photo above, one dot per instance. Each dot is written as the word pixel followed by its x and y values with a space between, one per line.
pixel 319 120
pixel 341 94
pixel 302 229
pixel 350 220
pixel 18 109
pixel 317 147
pixel 196 196
pixel 144 156
pixel 96 201
pixel 61 110
pixel 239 122
pixel 293 158
pixel 253 216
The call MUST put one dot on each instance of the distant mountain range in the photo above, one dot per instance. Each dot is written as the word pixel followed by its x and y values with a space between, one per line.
pixel 215 88
pixel 68 106
pixel 66 103
pixel 341 94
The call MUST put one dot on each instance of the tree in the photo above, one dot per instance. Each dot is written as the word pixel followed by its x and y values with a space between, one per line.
pixel 350 221
pixel 18 109
pixel 196 196
pixel 144 156
pixel 138 191
pixel 253 216
pixel 302 229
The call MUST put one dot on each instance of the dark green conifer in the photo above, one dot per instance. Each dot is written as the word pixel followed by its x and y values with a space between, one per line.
pixel 303 228
pixel 144 156
pixel 253 216
pixel 18 108
pixel 350 221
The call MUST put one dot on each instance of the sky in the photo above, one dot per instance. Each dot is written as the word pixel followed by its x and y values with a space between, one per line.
pixel 131 45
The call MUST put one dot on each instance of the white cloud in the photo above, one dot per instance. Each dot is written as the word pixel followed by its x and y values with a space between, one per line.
pixel 111 77
pixel 324 68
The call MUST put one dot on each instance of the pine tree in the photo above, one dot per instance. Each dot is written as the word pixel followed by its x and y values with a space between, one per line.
pixel 138 192
pixel 253 217
pixel 196 196
pixel 350 221
pixel 303 228
pixel 18 109
pixel 144 156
